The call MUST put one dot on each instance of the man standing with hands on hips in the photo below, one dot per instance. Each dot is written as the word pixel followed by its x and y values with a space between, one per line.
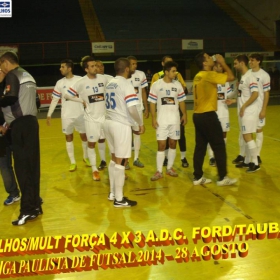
pixel 207 126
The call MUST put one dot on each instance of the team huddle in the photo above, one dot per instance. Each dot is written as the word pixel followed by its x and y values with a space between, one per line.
pixel 103 107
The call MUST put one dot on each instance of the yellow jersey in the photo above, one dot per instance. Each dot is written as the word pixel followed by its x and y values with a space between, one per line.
pixel 205 90
pixel 160 75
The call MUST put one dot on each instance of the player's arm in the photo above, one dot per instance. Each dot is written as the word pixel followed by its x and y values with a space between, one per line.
pixel 72 95
pixel 51 109
pixel 221 60
pixel 265 103
pixel 12 91
pixel 145 102
pixel 252 98
pixel 184 118
pixel 137 118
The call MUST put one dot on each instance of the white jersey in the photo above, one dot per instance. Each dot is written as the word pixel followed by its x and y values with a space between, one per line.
pixel 223 92
pixel 91 91
pixel 108 78
pixel 120 96
pixel 139 81
pixel 263 80
pixel 167 97
pixel 69 109
pixel 248 84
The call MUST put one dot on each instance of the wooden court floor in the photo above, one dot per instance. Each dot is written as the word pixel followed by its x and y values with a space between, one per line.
pixel 75 205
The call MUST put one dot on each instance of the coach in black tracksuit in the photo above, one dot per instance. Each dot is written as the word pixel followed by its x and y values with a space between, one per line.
pixel 19 107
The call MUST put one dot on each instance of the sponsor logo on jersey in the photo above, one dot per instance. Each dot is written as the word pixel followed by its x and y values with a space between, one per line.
pixel 241 82
pixel 87 87
pixel 137 79
pixel 6 8
pixel 167 101
pixel 161 89
pixel 101 85
pixel 96 98
pixel 174 89
pixel 258 79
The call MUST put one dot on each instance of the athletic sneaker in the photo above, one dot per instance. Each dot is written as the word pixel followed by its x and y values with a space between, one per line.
pixel 102 165
pixel 125 202
pixel 87 162
pixel 171 172
pixel 138 163
pixel 185 163
pixel 156 176
pixel 239 159
pixel 259 160
pixel 242 164
pixel 73 167
pixel 111 196
pixel 127 167
pixel 22 219
pixel 212 162
pixel 39 211
pixel 95 176
pixel 253 168
pixel 201 181
pixel 226 181
pixel 165 161
pixel 11 199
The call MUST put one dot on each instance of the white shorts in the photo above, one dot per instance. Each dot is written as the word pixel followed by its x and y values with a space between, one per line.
pixel 68 125
pixel 261 123
pixel 172 131
pixel 119 138
pixel 248 124
pixel 225 124
pixel 94 131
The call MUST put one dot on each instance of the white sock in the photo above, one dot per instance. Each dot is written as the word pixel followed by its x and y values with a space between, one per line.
pixel 171 157
pixel 119 181
pixel 111 169
pixel 101 149
pixel 247 159
pixel 210 151
pixel 241 145
pixel 70 152
pixel 85 145
pixel 137 144
pixel 259 142
pixel 253 151
pixel 92 158
pixel 160 160
pixel 183 154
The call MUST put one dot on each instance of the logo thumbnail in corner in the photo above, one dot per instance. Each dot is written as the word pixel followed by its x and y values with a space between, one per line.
pixel 6 9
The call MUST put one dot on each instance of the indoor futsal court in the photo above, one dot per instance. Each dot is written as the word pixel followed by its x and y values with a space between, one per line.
pixel 75 205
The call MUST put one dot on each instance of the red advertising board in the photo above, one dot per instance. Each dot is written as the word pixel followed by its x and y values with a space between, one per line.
pixel 45 95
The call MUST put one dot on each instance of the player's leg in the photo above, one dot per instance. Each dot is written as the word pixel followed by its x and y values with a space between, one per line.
pixel 137 145
pixel 122 147
pixel 161 133
pixel 68 129
pixel 102 150
pixel 174 136
pixel 183 146
pixel 259 138
pixel 79 124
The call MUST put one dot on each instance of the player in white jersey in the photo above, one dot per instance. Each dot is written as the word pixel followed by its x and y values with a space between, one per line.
pixel 101 142
pixel 247 106
pixel 168 94
pixel 139 82
pixel 121 115
pixel 223 92
pixel 90 90
pixel 255 60
pixel 71 112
